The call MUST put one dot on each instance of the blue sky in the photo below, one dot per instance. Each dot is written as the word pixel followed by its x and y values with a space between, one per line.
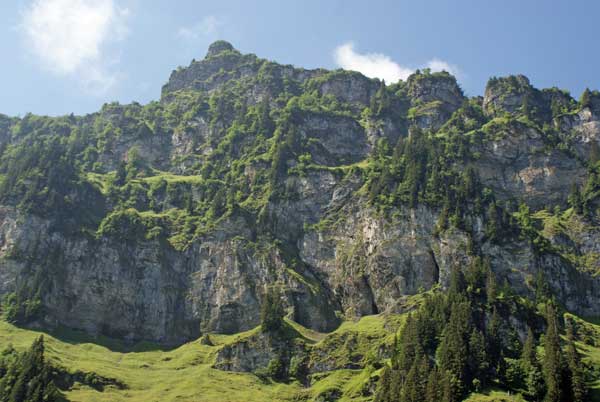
pixel 63 56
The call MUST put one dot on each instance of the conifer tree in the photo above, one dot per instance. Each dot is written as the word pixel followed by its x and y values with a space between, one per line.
pixel 384 386
pixel 434 391
pixel 492 228
pixel 491 288
pixel 493 337
pixel 534 379
pixel 528 355
pixel 409 346
pixel 578 388
pixel 478 363
pixel 121 176
pixel 411 390
pixel 552 357
pixel 585 100
pixel 452 352
pixel 28 377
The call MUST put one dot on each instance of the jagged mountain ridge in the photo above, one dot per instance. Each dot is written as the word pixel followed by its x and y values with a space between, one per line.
pixel 164 221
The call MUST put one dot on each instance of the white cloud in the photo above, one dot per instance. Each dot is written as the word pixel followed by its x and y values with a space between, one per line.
pixel 440 65
pixel 207 26
pixel 373 65
pixel 70 37
pixel 378 65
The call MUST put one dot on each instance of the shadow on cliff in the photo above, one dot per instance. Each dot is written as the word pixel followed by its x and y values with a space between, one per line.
pixel 75 337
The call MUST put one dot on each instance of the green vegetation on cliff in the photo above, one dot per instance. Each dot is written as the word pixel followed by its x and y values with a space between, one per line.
pixel 323 235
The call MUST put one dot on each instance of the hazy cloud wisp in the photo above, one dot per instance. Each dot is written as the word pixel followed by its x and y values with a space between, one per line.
pixel 207 26
pixel 70 37
pixel 377 65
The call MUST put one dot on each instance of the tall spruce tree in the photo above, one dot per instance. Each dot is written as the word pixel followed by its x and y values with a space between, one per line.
pixel 576 379
pixel 452 352
pixel 552 357
pixel 534 379
pixel 478 362
pixel 28 378
pixel 585 99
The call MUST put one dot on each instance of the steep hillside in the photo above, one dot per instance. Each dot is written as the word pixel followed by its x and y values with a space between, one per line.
pixel 168 221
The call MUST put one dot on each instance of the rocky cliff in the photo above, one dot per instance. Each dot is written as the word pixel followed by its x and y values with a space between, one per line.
pixel 165 221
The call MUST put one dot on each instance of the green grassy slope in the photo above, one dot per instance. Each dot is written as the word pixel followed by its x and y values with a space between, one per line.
pixel 185 374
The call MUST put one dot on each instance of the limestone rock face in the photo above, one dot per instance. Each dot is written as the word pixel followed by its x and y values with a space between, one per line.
pixel 514 93
pixel 349 87
pixel 435 97
pixel 349 144
pixel 315 234
pixel 441 87
pixel 583 129
pixel 518 162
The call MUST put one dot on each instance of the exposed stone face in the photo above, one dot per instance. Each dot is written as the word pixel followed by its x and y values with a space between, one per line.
pixel 515 94
pixel 333 254
pixel 435 96
pixel 583 129
pixel 347 145
pixel 224 64
pixel 436 87
pixel 517 163
pixel 348 87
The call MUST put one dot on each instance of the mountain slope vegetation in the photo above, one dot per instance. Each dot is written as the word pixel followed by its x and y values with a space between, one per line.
pixel 300 234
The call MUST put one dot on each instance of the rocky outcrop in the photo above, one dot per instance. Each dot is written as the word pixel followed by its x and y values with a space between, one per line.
pixel 516 162
pixel 313 231
pixel 514 94
pixel 224 63
pixel 582 129
pixel 435 97
pixel 347 86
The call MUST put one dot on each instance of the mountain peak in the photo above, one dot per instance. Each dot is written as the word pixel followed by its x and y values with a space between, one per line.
pixel 218 47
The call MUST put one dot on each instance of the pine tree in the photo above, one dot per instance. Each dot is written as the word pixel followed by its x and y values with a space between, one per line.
pixel 478 363
pixel 384 386
pixel 585 100
pixel 493 337
pixel 528 355
pixel 411 390
pixel 491 288
pixel 28 378
pixel 542 290
pixel 578 388
pixel 492 227
pixel 434 390
pixel 121 176
pixel 457 284
pixel 409 346
pixel 534 379
pixel 552 357
pixel 452 352
pixel 452 389
pixel 380 102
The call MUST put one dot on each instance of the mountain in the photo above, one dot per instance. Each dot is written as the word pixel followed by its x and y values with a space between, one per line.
pixel 326 194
